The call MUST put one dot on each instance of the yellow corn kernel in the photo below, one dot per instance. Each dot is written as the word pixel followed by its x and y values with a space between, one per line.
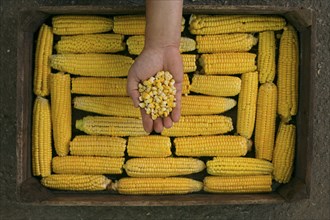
pixel 149 146
pixel 266 56
pixel 189 62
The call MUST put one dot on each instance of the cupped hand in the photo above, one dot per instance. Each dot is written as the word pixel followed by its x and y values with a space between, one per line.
pixel 146 65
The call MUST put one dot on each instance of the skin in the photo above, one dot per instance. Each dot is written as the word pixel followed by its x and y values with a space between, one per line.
pixel 161 52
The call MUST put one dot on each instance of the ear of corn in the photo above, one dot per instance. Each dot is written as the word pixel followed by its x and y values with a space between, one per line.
pixel 288 63
pixel 247 104
pixel 41 138
pixel 222 145
pixel 157 186
pixel 76 182
pixel 189 62
pixel 185 85
pixel 61 112
pixel 216 85
pixel 106 65
pixel 265 121
pixel 221 24
pixel 149 146
pixel 266 56
pixel 284 151
pixel 77 24
pixel 88 145
pixel 42 67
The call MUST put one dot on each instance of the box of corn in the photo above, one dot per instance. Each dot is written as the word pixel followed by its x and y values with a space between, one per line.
pixel 245 131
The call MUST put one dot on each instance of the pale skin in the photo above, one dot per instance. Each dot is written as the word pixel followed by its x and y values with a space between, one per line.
pixel 161 52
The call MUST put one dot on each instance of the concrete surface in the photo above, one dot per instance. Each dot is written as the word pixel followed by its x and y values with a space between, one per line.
pixel 317 207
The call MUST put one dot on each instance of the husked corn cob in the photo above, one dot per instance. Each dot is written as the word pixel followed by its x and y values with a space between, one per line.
pixel 189 62
pixel 87 165
pixel 61 112
pixel 265 121
pixel 106 65
pixel 91 43
pixel 266 56
pixel 216 85
pixel 287 82
pixel 157 186
pixel 113 126
pixel 247 104
pixel 238 184
pixel 200 125
pixel 284 151
pixel 240 42
pixel 99 86
pixel 238 166
pixel 162 167
pixel 185 85
pixel 221 24
pixel 222 145
pixel 228 63
pixel 89 145
pixel 77 24
pixel 76 182
pixel 149 146
pixel 41 138
pixel 42 67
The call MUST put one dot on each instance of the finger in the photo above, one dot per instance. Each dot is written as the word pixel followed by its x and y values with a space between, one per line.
pixel 147 121
pixel 168 123
pixel 176 113
pixel 158 125
pixel 132 88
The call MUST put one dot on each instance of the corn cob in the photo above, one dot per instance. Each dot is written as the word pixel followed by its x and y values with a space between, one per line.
pixel 157 186
pixel 133 24
pixel 247 104
pixel 221 24
pixel 265 121
pixel 266 56
pixel 42 68
pixel 186 84
pixel 87 165
pixel 238 166
pixel 76 24
pixel 228 63
pixel 106 65
pixel 284 152
pixel 135 44
pixel 162 167
pixel 238 184
pixel 287 83
pixel 113 126
pixel 225 43
pixel 88 145
pixel 61 112
pixel 91 43
pixel 200 125
pixel 189 62
pixel 41 138
pixel 216 85
pixel 149 146
pixel 76 182
pixel 222 145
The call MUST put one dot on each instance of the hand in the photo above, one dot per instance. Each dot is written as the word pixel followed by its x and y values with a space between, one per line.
pixel 147 64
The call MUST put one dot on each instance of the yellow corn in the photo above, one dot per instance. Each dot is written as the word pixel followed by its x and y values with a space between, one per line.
pixel 222 145
pixel 41 138
pixel 266 56
pixel 106 65
pixel 77 24
pixel 216 85
pixel 163 167
pixel 200 125
pixel 240 42
pixel 221 24
pixel 228 63
pixel 42 67
pixel 87 165
pixel 185 85
pixel 189 62
pixel 157 186
pixel 265 121
pixel 88 145
pixel 284 152
pixel 247 104
pixel 238 184
pixel 91 43
pixel 61 112
pixel 149 146
pixel 287 82
pixel 76 182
